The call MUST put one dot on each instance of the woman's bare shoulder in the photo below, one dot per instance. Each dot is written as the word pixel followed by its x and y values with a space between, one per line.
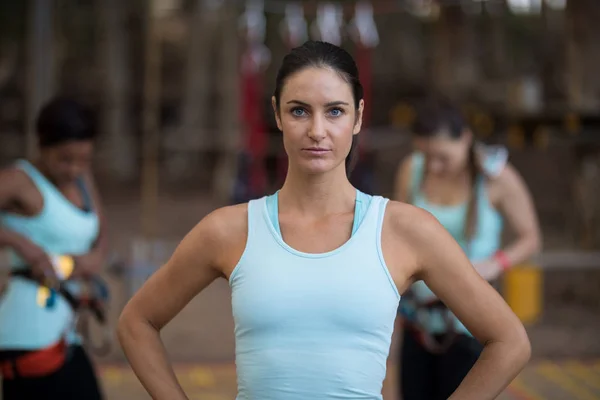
pixel 407 220
pixel 216 241
pixel 227 224
pixel 14 184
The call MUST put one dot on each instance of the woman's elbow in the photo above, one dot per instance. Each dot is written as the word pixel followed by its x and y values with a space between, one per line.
pixel 130 325
pixel 524 345
pixel 536 242
pixel 519 346
pixel 533 242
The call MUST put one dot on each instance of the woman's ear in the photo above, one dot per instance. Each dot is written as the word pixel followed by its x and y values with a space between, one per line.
pixel 276 112
pixel 359 117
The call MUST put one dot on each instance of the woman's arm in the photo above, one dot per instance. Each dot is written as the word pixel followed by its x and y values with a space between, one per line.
pixel 516 205
pixel 441 263
pixel 203 255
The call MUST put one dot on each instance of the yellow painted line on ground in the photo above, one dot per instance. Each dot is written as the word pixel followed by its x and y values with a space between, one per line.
pixel 519 389
pixel 556 375
pixel 202 377
pixel 583 373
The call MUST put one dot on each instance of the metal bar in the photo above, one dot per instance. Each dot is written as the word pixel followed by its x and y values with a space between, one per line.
pixel 568 260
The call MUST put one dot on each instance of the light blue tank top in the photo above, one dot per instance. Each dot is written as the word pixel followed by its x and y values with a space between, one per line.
pixel 486 242
pixel 312 326
pixel 60 228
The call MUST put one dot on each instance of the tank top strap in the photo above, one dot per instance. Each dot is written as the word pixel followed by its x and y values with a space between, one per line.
pixel 372 218
pixel 46 187
pixel 40 181
pixel 258 220
pixel 416 174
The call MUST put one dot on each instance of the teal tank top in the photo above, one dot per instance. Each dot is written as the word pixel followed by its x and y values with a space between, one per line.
pixel 60 228
pixel 486 242
pixel 312 326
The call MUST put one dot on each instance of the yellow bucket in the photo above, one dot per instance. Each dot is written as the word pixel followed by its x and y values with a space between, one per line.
pixel 523 291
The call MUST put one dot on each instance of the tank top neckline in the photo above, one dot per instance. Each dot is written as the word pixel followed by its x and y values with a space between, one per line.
pixel 38 177
pixel 279 239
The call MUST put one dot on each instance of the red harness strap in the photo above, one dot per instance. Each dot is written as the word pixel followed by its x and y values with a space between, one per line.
pixel 36 363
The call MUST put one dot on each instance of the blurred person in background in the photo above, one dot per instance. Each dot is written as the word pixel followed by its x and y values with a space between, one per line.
pixel 49 209
pixel 472 191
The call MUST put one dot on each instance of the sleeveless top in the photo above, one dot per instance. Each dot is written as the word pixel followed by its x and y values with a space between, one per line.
pixel 60 228
pixel 484 244
pixel 312 326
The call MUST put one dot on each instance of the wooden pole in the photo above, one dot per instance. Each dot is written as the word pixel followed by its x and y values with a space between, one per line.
pixel 150 121
pixel 41 71
pixel 116 145
pixel 229 140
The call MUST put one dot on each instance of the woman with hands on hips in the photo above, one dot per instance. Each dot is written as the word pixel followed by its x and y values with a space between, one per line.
pixel 316 269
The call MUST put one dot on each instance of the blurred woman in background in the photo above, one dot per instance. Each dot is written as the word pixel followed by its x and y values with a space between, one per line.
pixel 472 190
pixel 49 210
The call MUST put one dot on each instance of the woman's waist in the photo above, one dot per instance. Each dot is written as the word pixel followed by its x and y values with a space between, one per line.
pixel 24 324
pixel 316 373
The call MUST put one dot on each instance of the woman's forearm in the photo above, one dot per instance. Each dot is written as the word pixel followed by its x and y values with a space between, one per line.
pixel 498 364
pixel 148 358
pixel 522 249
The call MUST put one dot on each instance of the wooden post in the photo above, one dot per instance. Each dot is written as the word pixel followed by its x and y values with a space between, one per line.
pixel 150 121
pixel 191 141
pixel 117 147
pixel 574 68
pixel 229 130
pixel 41 68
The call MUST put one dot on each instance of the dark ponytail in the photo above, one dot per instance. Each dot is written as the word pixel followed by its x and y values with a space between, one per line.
pixel 352 157
pixel 472 205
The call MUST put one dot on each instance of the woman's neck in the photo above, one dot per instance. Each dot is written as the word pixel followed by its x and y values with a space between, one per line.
pixel 318 195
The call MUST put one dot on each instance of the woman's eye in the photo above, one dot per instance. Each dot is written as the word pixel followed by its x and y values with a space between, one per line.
pixel 336 112
pixel 298 112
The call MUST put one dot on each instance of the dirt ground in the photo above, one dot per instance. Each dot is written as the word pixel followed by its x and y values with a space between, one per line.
pixel 201 342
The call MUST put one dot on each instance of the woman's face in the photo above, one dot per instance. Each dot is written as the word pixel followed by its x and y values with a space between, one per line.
pixel 318 119
pixel 444 155
pixel 67 161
